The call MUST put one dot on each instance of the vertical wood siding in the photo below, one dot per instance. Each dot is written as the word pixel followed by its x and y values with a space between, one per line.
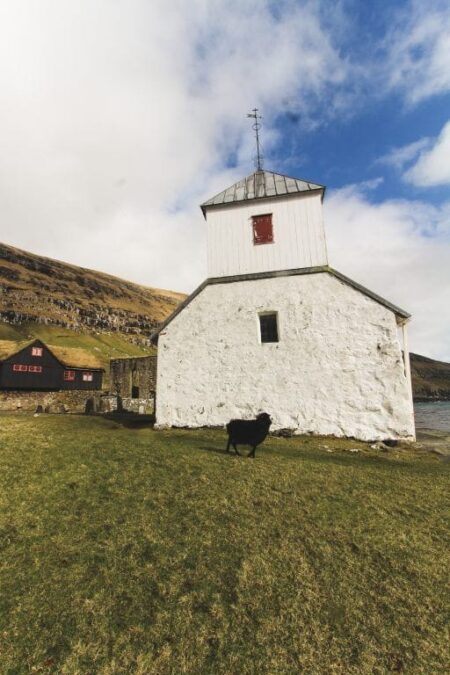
pixel 298 233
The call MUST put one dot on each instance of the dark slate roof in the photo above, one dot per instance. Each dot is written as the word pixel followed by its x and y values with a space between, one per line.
pixel 399 313
pixel 261 185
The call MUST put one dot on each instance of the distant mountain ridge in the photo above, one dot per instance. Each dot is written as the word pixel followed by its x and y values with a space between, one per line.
pixel 41 290
pixel 431 379
pixel 88 316
pixel 94 316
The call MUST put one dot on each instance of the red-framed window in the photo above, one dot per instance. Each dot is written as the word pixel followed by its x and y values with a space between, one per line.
pixel 262 229
pixel 88 377
pixel 21 368
pixel 69 375
pixel 18 367
pixel 36 351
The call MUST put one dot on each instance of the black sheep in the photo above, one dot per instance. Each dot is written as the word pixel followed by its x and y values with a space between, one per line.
pixel 248 432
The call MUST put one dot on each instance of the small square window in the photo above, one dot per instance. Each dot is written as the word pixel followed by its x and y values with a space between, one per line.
pixel 87 377
pixel 268 325
pixel 262 229
pixel 36 351
pixel 69 375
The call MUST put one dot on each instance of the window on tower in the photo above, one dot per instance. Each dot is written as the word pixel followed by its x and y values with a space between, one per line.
pixel 268 325
pixel 262 229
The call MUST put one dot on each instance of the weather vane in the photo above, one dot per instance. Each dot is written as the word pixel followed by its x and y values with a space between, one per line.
pixel 257 126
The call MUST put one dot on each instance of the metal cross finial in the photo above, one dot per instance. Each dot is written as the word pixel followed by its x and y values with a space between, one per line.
pixel 257 126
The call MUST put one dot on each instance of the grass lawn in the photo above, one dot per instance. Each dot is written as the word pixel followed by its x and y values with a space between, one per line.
pixel 145 552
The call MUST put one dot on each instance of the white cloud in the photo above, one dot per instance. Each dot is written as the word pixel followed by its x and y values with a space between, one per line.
pixel 418 50
pixel 400 250
pixel 433 164
pixel 116 119
pixel 401 156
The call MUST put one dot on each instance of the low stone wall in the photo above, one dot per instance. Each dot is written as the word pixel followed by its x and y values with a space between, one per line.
pixel 73 401
pixel 143 406
pixel 70 401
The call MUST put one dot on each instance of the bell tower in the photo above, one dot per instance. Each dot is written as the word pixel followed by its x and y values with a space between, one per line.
pixel 264 223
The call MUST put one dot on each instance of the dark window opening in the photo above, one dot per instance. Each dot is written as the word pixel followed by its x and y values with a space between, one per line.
pixel 69 375
pixel 269 327
pixel 134 392
pixel 262 229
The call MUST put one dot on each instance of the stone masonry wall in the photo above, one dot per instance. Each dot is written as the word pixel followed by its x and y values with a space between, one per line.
pixel 134 372
pixel 74 401
pixel 70 401
pixel 336 370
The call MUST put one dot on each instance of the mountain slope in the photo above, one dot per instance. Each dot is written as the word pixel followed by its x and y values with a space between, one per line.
pixel 41 290
pixel 95 317
pixel 431 379
pixel 90 315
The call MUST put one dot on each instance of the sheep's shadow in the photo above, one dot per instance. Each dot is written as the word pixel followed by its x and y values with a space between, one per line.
pixel 219 451
pixel 222 451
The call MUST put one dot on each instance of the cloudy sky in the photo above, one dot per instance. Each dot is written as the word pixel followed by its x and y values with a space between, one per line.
pixel 119 117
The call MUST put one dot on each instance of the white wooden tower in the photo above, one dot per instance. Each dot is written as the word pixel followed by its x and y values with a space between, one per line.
pixel 263 223
pixel 274 328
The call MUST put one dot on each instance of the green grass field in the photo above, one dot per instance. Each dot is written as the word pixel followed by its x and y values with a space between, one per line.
pixel 145 552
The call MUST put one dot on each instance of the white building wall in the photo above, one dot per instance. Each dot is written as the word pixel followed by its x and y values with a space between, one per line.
pixel 337 368
pixel 299 237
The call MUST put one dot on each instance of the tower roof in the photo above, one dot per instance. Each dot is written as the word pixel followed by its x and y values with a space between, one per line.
pixel 261 185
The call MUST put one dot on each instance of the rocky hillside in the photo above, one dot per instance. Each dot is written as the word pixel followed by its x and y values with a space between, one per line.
pixel 431 379
pixel 39 290
pixel 95 316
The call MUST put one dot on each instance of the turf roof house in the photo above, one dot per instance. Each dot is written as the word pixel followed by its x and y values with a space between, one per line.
pixel 275 329
pixel 36 367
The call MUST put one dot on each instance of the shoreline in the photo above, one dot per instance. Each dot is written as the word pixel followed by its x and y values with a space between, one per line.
pixel 421 399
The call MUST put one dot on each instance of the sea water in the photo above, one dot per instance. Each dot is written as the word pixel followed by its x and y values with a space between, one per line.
pixel 434 415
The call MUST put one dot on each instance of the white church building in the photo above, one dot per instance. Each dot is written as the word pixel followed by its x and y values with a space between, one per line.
pixel 275 329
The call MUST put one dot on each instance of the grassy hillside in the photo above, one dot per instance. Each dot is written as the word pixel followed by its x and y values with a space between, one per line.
pixel 87 317
pixel 40 290
pixel 95 316
pixel 431 379
pixel 154 553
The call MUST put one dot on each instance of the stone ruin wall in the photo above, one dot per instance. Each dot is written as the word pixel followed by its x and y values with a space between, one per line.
pixel 128 373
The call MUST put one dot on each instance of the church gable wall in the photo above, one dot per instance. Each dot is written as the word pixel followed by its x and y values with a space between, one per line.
pixel 337 368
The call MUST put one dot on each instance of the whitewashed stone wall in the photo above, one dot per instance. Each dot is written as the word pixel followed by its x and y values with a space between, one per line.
pixel 337 369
